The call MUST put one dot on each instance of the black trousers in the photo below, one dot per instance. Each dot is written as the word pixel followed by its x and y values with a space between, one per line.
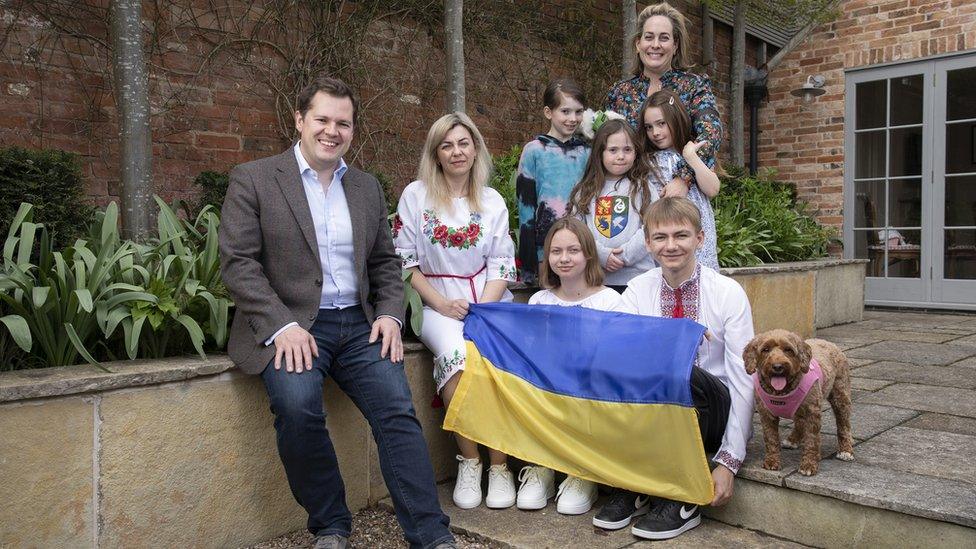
pixel 712 400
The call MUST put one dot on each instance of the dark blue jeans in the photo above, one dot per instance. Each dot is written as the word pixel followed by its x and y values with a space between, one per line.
pixel 379 389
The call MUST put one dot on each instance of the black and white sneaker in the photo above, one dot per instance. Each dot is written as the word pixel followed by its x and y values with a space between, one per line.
pixel 667 519
pixel 618 510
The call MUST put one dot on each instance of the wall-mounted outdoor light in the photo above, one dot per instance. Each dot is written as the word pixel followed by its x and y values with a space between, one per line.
pixel 813 87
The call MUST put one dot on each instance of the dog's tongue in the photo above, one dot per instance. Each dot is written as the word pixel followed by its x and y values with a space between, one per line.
pixel 778 382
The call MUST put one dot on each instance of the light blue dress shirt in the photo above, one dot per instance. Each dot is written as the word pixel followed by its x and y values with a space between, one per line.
pixel 333 233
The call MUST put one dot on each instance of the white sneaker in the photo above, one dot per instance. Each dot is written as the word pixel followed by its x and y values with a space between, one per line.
pixel 536 488
pixel 467 487
pixel 501 487
pixel 576 496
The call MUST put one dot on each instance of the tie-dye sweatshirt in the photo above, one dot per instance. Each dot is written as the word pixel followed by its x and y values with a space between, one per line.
pixel 547 173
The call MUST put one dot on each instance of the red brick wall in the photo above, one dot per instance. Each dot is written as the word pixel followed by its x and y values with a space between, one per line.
pixel 212 112
pixel 805 142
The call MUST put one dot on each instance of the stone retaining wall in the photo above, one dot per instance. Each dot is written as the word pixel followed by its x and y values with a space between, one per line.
pixel 169 453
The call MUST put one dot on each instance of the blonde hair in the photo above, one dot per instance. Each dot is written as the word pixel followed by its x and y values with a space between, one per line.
pixel 679 30
pixel 593 272
pixel 671 209
pixel 432 174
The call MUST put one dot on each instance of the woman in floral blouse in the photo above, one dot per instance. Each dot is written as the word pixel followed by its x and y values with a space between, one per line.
pixel 662 63
pixel 451 230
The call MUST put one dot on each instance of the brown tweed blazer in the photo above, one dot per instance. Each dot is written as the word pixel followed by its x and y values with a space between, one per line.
pixel 269 255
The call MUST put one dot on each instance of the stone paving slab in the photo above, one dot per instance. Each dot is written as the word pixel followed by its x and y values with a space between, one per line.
pixel 884 335
pixel 943 376
pixel 943 422
pixel 938 327
pixel 919 495
pixel 867 420
pixel 933 453
pixel 858 362
pixel 789 458
pixel 913 352
pixel 548 529
pixel 849 343
pixel 965 363
pixel 922 319
pixel 969 341
pixel 946 400
pixel 868 384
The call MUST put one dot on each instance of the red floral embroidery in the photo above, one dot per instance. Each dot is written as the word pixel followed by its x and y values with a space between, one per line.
pixel 462 237
pixel 397 225
pixel 440 232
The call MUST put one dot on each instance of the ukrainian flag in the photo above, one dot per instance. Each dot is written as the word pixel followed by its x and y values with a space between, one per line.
pixel 602 396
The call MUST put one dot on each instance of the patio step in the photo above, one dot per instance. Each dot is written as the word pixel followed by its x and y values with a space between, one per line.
pixel 845 505
pixel 851 504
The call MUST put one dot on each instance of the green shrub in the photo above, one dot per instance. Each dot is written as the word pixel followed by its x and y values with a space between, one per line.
pixel 212 189
pixel 503 181
pixel 51 181
pixel 103 297
pixel 759 220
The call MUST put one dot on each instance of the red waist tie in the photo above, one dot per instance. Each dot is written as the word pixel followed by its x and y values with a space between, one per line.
pixel 469 278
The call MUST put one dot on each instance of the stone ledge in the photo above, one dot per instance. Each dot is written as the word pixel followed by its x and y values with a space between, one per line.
pixel 812 265
pixel 85 378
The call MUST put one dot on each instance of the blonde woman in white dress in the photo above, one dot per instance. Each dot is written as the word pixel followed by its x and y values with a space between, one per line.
pixel 451 230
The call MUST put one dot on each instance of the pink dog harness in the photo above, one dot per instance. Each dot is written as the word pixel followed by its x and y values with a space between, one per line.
pixel 785 406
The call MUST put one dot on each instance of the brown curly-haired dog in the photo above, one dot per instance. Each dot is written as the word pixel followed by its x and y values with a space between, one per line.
pixel 779 354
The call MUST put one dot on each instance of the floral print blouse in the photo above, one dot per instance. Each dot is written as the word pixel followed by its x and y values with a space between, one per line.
pixel 695 90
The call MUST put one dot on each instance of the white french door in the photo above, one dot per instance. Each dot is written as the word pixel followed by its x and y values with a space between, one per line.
pixel 910 181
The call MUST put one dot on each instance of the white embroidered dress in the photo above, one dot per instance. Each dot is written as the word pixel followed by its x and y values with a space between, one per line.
pixel 459 252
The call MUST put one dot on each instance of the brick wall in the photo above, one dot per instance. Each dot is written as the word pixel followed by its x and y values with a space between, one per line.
pixel 805 142
pixel 212 112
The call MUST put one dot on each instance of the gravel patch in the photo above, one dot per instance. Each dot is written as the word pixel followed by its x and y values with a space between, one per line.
pixel 372 528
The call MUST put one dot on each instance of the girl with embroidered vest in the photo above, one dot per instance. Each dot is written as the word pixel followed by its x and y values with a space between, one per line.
pixel 612 198
pixel 551 164
pixel 664 129
pixel 572 277
pixel 451 231
pixel 721 389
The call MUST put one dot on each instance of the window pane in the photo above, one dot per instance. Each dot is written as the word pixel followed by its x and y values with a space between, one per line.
pixel 871 104
pixel 905 156
pixel 961 94
pixel 904 252
pixel 960 254
pixel 960 148
pixel 906 100
pixel 960 198
pixel 869 152
pixel 898 246
pixel 869 208
pixel 866 246
pixel 905 202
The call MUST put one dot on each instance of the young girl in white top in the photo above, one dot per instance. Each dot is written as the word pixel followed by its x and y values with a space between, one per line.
pixel 612 198
pixel 571 276
pixel 665 130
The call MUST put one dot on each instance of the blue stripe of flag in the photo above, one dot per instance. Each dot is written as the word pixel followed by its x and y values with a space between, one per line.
pixel 584 353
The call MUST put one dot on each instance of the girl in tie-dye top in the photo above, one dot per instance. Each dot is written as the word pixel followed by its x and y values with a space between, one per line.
pixel 550 167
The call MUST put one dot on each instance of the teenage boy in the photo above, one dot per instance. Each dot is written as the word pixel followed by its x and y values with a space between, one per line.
pixel 721 390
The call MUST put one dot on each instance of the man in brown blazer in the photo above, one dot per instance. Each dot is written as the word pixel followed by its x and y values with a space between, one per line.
pixel 306 253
